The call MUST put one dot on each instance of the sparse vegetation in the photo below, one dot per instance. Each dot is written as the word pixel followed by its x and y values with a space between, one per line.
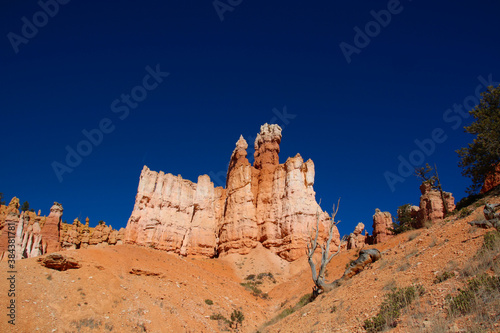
pixel 491 241
pixel 464 212
pixel 391 308
pixel 478 292
pixel 404 221
pixel 237 317
pixel 87 322
pixel 487 256
pixel 250 277
pixel 443 277
pixel 254 280
pixel 209 302
pixel 304 300
pixel 268 275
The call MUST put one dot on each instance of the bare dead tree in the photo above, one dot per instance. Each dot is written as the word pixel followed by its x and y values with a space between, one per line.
pixel 365 257
pixel 319 277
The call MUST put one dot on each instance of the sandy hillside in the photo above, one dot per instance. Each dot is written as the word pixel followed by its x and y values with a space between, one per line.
pixel 135 289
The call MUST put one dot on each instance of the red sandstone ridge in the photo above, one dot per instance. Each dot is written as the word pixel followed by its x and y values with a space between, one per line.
pixel 492 180
pixel 268 203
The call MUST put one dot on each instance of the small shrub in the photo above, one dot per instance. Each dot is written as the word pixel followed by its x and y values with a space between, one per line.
pixel 304 300
pixel 491 241
pixel 237 317
pixel 443 277
pixel 464 212
pixel 250 277
pixel 485 257
pixel 209 302
pixel 218 316
pixel 477 290
pixel 391 307
pixel 49 277
pixel 263 275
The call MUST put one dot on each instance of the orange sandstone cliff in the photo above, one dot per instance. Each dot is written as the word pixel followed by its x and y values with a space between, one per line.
pixel 266 203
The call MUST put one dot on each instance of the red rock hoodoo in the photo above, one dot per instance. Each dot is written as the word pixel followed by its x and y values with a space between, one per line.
pixel 431 204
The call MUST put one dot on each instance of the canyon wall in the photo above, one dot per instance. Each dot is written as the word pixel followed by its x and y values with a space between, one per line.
pixel 266 203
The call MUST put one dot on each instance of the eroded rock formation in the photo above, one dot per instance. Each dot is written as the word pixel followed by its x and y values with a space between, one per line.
pixel 492 180
pixel 382 226
pixel 432 207
pixel 269 203
pixel 35 235
pixel 356 239
pixel 59 262
pixel 78 235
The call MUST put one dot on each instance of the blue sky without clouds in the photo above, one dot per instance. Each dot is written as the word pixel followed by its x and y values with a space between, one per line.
pixel 357 86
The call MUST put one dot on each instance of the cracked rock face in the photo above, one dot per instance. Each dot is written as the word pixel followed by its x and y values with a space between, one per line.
pixel 269 203
pixel 492 180
pixel 382 226
pixel 431 204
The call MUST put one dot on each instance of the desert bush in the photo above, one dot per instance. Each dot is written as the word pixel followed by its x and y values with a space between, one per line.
pixel 491 241
pixel 464 212
pixel 252 286
pixel 209 301
pixel 443 277
pixel 237 317
pixel 254 280
pixel 263 275
pixel 391 307
pixel 486 256
pixel 478 292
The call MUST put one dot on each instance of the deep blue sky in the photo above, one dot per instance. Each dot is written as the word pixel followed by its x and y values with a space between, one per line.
pixel 226 77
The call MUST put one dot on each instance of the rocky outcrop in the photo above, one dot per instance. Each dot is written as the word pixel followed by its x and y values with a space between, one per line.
pixel 356 239
pixel 382 226
pixel 9 218
pixel 50 231
pixel 35 235
pixel 432 207
pixel 176 215
pixel 59 262
pixel 492 180
pixel 268 203
pixel 78 235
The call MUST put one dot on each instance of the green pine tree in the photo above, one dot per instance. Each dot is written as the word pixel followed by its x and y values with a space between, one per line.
pixel 25 206
pixel 480 157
